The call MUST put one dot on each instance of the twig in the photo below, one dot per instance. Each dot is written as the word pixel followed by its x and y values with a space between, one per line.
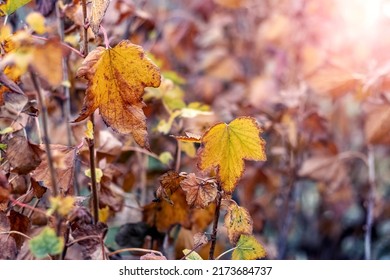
pixel 91 142
pixel 178 156
pixel 15 232
pixel 213 236
pixel 192 250
pixel 85 33
pixel 95 198
pixel 45 133
pixel 83 238
pixel 370 202
pixel 134 250
pixel 226 252
pixel 63 44
pixel 143 151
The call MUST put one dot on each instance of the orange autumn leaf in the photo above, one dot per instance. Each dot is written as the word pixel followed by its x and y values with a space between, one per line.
pixel 163 215
pixel 238 222
pixel 116 81
pixel 199 193
pixel 225 146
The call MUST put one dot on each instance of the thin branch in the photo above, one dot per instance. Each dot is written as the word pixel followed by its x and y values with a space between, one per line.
pixel 213 236
pixel 226 252
pixel 370 202
pixel 134 250
pixel 143 151
pixel 21 204
pixel 83 238
pixel 15 232
pixel 45 132
pixel 178 156
pixel 85 29
pixel 95 198
pixel 62 43
pixel 192 250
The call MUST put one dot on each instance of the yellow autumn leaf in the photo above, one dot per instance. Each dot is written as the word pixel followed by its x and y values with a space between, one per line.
pixel 62 205
pixel 116 81
pixel 248 248
pixel 98 174
pixel 225 146
pixel 89 131
pixel 37 22
pixel 104 214
pixel 238 222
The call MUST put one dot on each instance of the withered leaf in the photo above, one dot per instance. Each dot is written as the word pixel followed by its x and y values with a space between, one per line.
pixel 21 223
pixel 90 245
pixel 152 256
pixel 22 155
pixel 38 190
pixel 199 192
pixel 116 81
pixel 238 222
pixel 7 243
pixel 169 183
pixel 98 10
pixel 200 239
pixel 64 158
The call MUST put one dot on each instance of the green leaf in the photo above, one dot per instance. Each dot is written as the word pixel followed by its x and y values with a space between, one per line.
pixel 193 256
pixel 11 6
pixel 46 243
pixel 248 248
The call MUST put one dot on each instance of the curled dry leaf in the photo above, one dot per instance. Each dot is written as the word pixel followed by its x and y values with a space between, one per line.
pixel 22 155
pixel 199 192
pixel 238 222
pixel 21 223
pixel 116 81
pixel 200 239
pixel 169 183
pixel 98 11
pixel 64 158
pixel 225 146
pixel 153 256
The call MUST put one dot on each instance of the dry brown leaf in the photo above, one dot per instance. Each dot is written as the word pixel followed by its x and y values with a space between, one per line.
pixel 7 243
pixel 22 155
pixel 200 239
pixel 199 193
pixel 169 183
pixel 98 11
pixel 64 168
pixel 21 223
pixel 116 81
